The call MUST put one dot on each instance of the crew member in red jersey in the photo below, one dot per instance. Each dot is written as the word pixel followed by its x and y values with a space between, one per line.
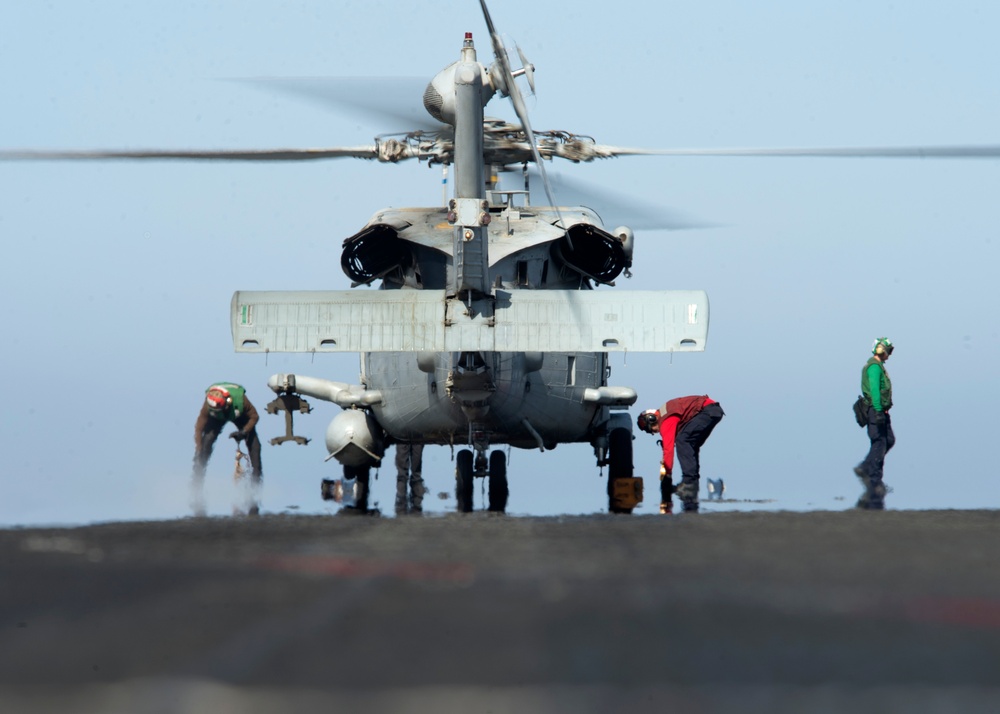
pixel 687 423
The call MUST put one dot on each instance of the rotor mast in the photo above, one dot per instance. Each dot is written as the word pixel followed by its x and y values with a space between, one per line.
pixel 469 210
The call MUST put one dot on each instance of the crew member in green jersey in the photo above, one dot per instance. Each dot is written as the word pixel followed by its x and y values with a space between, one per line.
pixel 877 391
pixel 225 402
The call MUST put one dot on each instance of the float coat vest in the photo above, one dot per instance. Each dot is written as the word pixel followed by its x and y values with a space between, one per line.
pixel 885 385
pixel 235 398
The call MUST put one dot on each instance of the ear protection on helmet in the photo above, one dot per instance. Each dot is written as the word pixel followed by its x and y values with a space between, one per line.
pixel 647 421
pixel 882 346
pixel 218 398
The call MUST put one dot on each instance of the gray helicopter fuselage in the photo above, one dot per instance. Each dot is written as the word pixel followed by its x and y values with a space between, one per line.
pixel 422 406
pixel 523 399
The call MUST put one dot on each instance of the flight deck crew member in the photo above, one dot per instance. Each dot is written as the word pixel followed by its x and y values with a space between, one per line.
pixel 876 388
pixel 409 463
pixel 225 402
pixel 686 422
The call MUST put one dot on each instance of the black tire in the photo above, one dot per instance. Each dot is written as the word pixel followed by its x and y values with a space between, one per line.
pixel 620 463
pixel 498 482
pixel 463 480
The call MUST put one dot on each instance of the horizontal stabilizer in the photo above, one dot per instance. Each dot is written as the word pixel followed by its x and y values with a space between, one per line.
pixel 514 321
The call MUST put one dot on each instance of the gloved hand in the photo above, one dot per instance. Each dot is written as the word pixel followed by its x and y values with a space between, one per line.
pixel 879 418
pixel 238 435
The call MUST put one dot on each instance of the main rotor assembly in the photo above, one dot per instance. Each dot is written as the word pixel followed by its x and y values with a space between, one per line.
pixel 504 144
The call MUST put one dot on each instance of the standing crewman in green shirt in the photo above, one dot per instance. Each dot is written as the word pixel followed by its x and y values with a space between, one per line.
pixel 877 391
pixel 225 402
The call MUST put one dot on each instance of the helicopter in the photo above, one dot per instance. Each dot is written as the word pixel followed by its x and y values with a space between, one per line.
pixel 486 328
pixel 543 147
pixel 489 326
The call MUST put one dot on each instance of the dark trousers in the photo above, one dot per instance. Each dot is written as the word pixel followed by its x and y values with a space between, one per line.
pixel 689 441
pixel 208 438
pixel 409 463
pixel 882 440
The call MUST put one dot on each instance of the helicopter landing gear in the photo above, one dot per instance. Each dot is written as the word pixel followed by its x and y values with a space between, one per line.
pixel 463 480
pixel 498 482
pixel 468 467
pixel 624 492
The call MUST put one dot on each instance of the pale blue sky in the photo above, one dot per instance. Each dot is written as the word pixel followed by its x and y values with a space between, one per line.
pixel 117 277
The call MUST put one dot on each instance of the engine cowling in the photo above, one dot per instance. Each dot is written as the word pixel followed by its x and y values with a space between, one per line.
pixel 593 252
pixel 354 438
pixel 374 252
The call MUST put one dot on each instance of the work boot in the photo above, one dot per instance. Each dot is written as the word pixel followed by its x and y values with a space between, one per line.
pixel 873 499
pixel 876 492
pixel 869 503
pixel 666 507
pixel 687 491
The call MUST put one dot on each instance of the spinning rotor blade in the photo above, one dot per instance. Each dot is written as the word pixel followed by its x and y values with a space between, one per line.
pixel 396 99
pixel 358 152
pixel 620 209
pixel 986 151
pixel 500 53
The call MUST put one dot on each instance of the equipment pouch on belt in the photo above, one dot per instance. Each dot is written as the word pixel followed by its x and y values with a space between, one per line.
pixel 861 411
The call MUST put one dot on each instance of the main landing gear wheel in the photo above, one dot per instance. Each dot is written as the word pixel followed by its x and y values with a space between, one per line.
pixel 498 481
pixel 463 480
pixel 620 464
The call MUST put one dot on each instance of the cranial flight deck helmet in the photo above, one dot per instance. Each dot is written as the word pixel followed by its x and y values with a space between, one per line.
pixel 647 421
pixel 218 399
pixel 882 346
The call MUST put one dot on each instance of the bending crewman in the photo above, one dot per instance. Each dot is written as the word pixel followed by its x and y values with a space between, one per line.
pixel 686 422
pixel 225 402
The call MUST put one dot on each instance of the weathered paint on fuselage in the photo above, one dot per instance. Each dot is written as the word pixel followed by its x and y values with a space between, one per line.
pixel 419 405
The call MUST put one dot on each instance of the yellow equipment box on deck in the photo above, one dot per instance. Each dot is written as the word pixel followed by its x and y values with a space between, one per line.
pixel 626 492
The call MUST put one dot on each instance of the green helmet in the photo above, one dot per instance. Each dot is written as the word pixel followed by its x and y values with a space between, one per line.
pixel 882 345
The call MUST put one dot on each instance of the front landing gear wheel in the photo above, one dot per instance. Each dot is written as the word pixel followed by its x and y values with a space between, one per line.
pixel 463 480
pixel 620 465
pixel 498 481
